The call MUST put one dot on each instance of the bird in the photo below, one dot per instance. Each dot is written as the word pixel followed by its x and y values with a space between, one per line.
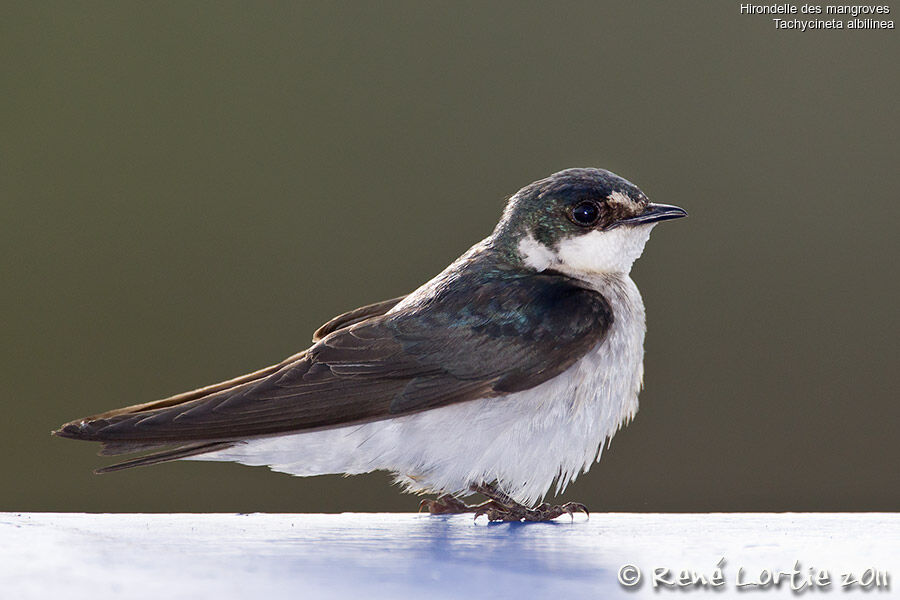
pixel 504 375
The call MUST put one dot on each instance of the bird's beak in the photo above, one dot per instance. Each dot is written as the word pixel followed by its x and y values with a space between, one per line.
pixel 653 213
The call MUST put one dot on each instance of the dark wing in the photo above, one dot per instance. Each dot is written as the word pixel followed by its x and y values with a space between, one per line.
pixel 355 316
pixel 466 341
pixel 338 322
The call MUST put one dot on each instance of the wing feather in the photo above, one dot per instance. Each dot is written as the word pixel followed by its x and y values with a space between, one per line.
pixel 355 316
pixel 469 340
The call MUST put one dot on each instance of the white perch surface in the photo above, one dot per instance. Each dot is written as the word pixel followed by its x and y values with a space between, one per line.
pixel 296 556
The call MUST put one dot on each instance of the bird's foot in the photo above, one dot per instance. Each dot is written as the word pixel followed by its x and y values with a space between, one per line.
pixel 451 505
pixel 501 507
pixel 496 511
pixel 446 505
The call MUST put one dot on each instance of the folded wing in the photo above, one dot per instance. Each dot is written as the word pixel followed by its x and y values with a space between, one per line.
pixel 464 341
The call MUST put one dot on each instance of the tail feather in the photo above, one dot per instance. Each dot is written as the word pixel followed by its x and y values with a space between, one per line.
pixel 90 428
pixel 167 455
pixel 117 448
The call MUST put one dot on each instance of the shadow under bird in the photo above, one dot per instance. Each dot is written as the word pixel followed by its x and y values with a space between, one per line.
pixel 505 373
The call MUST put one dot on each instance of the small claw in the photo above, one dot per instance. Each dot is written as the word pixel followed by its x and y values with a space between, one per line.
pixel 491 509
pixel 545 512
pixel 488 511
pixel 571 508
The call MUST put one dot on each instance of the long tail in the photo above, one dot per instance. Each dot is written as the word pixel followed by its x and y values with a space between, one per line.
pixel 165 455
pixel 91 428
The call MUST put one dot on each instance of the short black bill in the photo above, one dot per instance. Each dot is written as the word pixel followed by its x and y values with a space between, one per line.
pixel 654 213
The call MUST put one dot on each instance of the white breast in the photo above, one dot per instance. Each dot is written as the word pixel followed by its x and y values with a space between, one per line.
pixel 525 441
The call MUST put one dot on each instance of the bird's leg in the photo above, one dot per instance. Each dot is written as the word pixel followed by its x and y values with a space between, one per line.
pixel 490 490
pixel 501 507
pixel 445 504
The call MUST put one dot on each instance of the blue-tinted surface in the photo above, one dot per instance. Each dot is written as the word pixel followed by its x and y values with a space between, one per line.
pixel 274 556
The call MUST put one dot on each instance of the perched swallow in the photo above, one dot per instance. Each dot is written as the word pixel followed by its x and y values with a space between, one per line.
pixel 505 373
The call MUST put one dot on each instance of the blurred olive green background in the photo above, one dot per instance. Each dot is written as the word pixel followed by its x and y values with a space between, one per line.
pixel 190 189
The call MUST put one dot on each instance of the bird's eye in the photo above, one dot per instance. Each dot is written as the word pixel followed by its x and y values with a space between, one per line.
pixel 585 214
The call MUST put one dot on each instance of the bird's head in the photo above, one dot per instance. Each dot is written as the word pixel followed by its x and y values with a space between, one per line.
pixel 581 222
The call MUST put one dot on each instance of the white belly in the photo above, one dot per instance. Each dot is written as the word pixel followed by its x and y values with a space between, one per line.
pixel 524 441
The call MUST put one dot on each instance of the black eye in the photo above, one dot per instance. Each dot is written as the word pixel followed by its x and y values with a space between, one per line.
pixel 585 214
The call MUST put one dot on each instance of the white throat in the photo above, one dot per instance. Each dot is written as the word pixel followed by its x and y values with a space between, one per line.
pixel 591 254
